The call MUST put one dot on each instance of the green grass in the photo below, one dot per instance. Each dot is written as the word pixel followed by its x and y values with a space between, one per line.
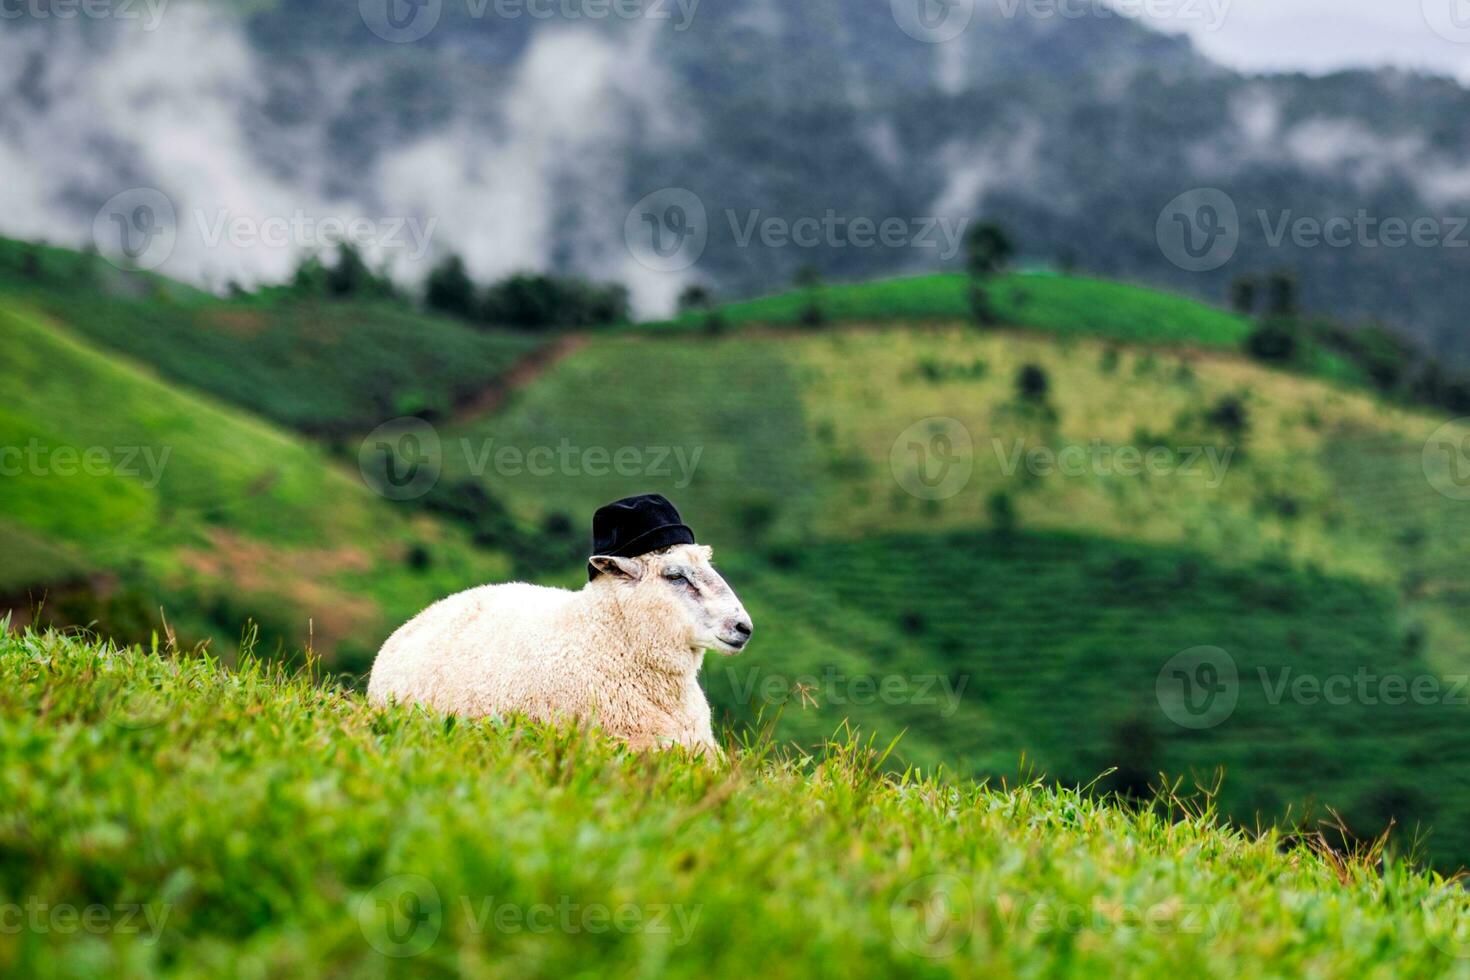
pixel 1057 304
pixel 250 822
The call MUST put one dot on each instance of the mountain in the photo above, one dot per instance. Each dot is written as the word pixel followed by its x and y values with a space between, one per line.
pixel 527 141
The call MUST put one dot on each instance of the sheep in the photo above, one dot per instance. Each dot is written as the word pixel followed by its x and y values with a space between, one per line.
pixel 623 652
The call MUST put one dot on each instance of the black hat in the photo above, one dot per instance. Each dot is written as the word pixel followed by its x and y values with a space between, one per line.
pixel 635 526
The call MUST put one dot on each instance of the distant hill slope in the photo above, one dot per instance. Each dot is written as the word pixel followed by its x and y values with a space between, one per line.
pixel 226 516
pixel 1062 306
pixel 228 819
pixel 1055 303
pixel 775 437
pixel 329 368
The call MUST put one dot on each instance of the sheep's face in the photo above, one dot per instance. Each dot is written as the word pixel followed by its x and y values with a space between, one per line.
pixel 679 585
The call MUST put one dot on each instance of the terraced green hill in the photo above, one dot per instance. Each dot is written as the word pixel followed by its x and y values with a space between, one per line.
pixel 178 500
pixel 327 368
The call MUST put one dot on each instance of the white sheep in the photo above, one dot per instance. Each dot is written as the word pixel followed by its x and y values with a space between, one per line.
pixel 624 652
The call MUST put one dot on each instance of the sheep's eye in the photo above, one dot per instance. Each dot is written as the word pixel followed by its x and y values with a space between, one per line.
pixel 679 578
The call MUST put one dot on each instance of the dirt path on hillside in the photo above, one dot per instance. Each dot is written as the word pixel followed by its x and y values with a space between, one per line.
pixel 493 396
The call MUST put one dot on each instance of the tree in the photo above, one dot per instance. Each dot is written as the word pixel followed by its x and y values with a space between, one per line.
pixel 539 302
pixel 1032 383
pixel 1281 294
pixel 1384 355
pixel 695 298
pixel 603 304
pixel 521 300
pixel 449 288
pixel 988 251
pixel 350 276
pixel 1243 296
pixel 310 278
pixel 809 278
pixel 1276 341
pixel 1230 415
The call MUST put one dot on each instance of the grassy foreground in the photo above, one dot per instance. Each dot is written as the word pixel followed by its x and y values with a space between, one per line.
pixel 162 815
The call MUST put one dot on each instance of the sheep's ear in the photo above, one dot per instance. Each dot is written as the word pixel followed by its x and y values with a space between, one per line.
pixel 628 568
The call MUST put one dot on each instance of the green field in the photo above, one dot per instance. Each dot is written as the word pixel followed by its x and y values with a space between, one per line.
pixel 368 843
pixel 218 516
pixel 1057 304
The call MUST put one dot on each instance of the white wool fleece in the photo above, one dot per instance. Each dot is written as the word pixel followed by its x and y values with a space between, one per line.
pixel 624 652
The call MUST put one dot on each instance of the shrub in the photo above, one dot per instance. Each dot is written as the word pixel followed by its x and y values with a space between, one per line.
pixel 538 302
pixel 1032 383
pixel 449 289
pixel 695 297
pixel 1002 512
pixel 1275 341
pixel 1230 415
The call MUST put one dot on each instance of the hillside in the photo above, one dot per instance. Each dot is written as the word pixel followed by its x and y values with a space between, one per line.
pixel 1063 305
pixel 328 368
pixel 124 493
pixel 1057 305
pixel 358 842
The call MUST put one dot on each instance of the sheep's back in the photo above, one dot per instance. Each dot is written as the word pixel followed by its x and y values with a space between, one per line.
pixel 488 650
